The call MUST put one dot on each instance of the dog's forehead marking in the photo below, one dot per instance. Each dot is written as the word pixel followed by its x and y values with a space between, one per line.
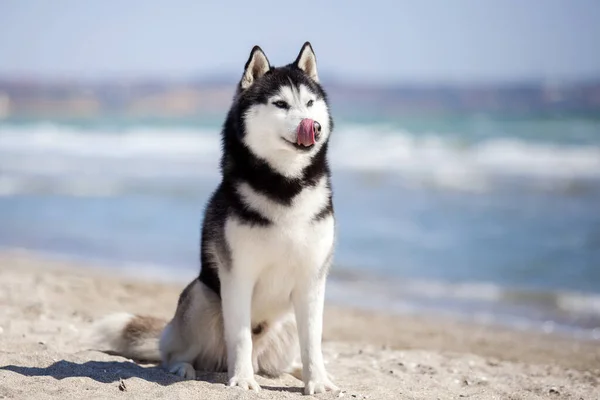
pixel 295 94
pixel 304 92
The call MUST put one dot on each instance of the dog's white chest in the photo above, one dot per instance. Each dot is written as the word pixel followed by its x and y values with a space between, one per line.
pixel 284 254
pixel 279 258
pixel 296 249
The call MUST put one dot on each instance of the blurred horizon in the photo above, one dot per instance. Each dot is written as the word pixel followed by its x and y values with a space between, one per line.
pixel 232 77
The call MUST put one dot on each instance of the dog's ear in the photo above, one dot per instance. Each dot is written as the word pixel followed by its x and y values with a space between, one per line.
pixel 307 61
pixel 256 66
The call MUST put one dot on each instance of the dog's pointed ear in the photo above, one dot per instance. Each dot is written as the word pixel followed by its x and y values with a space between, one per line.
pixel 256 66
pixel 307 61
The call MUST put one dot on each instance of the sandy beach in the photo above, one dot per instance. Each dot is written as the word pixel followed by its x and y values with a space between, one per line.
pixel 48 306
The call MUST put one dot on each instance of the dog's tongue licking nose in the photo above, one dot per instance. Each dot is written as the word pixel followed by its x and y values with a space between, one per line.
pixel 306 132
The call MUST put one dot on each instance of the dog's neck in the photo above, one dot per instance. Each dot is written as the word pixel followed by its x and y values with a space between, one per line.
pixel 239 165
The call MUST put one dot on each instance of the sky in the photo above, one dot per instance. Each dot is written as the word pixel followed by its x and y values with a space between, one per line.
pixel 374 40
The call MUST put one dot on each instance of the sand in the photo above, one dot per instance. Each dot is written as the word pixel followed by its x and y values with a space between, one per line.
pixel 47 307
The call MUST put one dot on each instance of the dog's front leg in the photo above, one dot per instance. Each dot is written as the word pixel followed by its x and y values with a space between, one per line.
pixel 308 304
pixel 236 293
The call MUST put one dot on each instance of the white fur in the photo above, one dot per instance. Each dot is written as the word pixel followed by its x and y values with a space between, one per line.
pixel 271 130
pixel 276 270
pixel 107 333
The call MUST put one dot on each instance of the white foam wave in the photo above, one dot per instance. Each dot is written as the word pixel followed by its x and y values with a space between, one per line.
pixel 579 303
pixel 137 142
pixel 47 158
pixel 49 151
pixel 448 163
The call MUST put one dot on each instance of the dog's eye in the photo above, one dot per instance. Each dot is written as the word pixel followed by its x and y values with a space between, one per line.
pixel 281 104
pixel 310 103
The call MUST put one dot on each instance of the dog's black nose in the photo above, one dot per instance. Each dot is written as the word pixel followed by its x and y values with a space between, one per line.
pixel 317 128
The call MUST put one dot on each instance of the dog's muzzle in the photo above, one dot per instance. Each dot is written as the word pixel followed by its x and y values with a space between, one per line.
pixel 309 132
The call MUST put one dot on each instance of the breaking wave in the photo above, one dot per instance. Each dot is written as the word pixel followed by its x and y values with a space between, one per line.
pixel 50 157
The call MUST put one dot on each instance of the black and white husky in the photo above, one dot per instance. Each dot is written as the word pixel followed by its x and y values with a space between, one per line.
pixel 267 242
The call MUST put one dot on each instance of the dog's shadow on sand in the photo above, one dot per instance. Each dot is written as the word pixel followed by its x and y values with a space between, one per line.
pixel 115 371
pixel 100 371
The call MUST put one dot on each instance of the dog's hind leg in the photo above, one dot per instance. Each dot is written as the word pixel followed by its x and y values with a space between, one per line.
pixel 178 357
pixel 193 340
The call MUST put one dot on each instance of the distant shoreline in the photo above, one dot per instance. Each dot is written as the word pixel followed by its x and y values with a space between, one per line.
pixel 22 98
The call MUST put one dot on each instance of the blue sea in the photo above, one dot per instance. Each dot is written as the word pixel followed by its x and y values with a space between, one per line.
pixel 485 218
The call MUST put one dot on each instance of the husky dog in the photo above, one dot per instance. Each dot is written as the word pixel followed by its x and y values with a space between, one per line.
pixel 267 242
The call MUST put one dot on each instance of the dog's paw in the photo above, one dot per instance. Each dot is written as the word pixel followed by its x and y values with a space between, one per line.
pixel 183 370
pixel 296 371
pixel 319 384
pixel 244 382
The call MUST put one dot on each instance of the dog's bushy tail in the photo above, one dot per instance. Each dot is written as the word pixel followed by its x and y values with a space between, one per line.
pixel 128 335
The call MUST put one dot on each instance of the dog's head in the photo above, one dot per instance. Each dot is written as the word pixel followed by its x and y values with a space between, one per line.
pixel 284 111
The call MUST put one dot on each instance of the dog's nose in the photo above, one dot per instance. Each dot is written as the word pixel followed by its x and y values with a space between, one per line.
pixel 317 128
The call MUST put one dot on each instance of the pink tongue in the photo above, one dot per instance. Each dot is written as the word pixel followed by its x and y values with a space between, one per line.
pixel 306 132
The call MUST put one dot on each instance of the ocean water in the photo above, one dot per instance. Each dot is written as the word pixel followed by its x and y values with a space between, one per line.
pixel 484 218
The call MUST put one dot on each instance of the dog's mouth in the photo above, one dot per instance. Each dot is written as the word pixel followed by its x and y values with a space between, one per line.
pixel 307 135
pixel 298 146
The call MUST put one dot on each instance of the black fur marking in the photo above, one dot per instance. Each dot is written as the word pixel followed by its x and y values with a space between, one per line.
pixel 258 329
pixel 212 233
pixel 209 275
pixel 240 165
pixel 246 214
pixel 326 211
